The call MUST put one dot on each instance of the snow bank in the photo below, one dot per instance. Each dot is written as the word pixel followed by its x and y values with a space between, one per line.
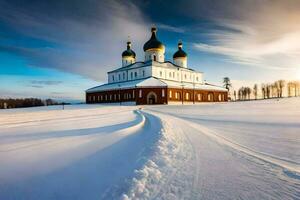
pixel 149 179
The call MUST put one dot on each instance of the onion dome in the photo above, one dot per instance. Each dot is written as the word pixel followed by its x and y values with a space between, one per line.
pixel 128 52
pixel 153 43
pixel 180 53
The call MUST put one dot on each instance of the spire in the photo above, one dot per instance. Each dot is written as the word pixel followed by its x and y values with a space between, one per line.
pixel 179 44
pixel 128 43
pixel 153 29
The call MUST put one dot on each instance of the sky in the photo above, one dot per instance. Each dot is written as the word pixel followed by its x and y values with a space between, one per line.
pixel 58 49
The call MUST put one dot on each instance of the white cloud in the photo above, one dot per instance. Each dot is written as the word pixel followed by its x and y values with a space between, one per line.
pixel 89 44
pixel 267 38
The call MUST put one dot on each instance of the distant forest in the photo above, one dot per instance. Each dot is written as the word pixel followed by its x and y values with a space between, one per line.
pixel 27 102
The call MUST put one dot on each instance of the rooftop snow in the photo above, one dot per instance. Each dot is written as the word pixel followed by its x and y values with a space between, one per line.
pixel 153 82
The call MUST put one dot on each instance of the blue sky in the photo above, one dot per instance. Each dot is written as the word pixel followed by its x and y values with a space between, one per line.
pixel 57 49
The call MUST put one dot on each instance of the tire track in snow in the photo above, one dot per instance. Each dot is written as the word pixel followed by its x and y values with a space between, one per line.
pixel 291 168
pixel 8 124
pixel 132 126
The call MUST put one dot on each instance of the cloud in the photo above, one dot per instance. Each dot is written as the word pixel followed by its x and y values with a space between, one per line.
pixel 267 38
pixel 85 38
pixel 171 28
pixel 47 82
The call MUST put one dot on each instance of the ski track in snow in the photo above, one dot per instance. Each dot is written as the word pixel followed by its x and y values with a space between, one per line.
pixel 112 152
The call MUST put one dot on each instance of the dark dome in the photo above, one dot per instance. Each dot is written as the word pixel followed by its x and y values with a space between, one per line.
pixel 153 43
pixel 128 52
pixel 180 53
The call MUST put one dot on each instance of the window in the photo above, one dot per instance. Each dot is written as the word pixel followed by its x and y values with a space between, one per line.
pixel 143 73
pixel 94 98
pixel 170 75
pixel 131 75
pixel 176 95
pixel 119 77
pixel 170 94
pixel 135 74
pixel 210 97
pixel 133 94
pixel 106 97
pixel 154 57
pixel 90 98
pixel 123 76
pixel 160 73
pixel 163 93
pixel 140 93
pixel 110 97
pixel 98 98
pixel 199 97
pixel 185 76
pixel 220 97
pixel 113 78
pixel 173 74
pixel 101 97
pixel 187 96
pixel 129 96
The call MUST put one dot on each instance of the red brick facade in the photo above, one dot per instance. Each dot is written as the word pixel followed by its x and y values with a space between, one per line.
pixel 156 96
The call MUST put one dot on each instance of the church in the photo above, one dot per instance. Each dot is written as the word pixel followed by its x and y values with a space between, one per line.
pixel 155 80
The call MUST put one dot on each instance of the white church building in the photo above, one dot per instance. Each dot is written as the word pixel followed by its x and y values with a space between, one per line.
pixel 155 80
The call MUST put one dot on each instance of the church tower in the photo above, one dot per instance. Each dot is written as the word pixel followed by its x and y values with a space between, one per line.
pixel 180 57
pixel 128 56
pixel 153 48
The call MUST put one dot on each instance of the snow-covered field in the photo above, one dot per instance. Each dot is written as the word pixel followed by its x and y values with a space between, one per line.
pixel 245 150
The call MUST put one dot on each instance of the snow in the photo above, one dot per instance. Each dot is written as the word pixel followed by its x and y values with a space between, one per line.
pixel 240 150
pixel 154 82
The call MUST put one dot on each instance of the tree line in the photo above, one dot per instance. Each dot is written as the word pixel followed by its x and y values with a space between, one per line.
pixel 25 102
pixel 267 90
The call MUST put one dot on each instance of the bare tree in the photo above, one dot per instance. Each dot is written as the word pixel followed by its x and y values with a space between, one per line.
pixel 255 91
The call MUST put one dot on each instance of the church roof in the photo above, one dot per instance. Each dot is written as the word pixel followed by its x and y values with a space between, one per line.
pixel 154 82
pixel 128 52
pixel 146 82
pixel 153 42
pixel 180 53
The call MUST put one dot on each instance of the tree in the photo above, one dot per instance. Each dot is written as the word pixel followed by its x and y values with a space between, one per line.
pixel 255 90
pixel 281 85
pixel 227 83
pixel 234 93
pixel 263 90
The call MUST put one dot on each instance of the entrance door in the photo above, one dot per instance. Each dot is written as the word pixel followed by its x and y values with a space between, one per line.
pixel 151 98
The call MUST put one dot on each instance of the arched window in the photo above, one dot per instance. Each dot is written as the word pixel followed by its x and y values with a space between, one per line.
pixel 199 97
pixel 220 97
pixel 187 96
pixel 210 97
pixel 154 57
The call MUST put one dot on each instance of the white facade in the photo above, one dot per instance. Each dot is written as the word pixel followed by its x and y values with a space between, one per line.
pixel 164 71
pixel 155 54
pixel 182 62
pixel 127 61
